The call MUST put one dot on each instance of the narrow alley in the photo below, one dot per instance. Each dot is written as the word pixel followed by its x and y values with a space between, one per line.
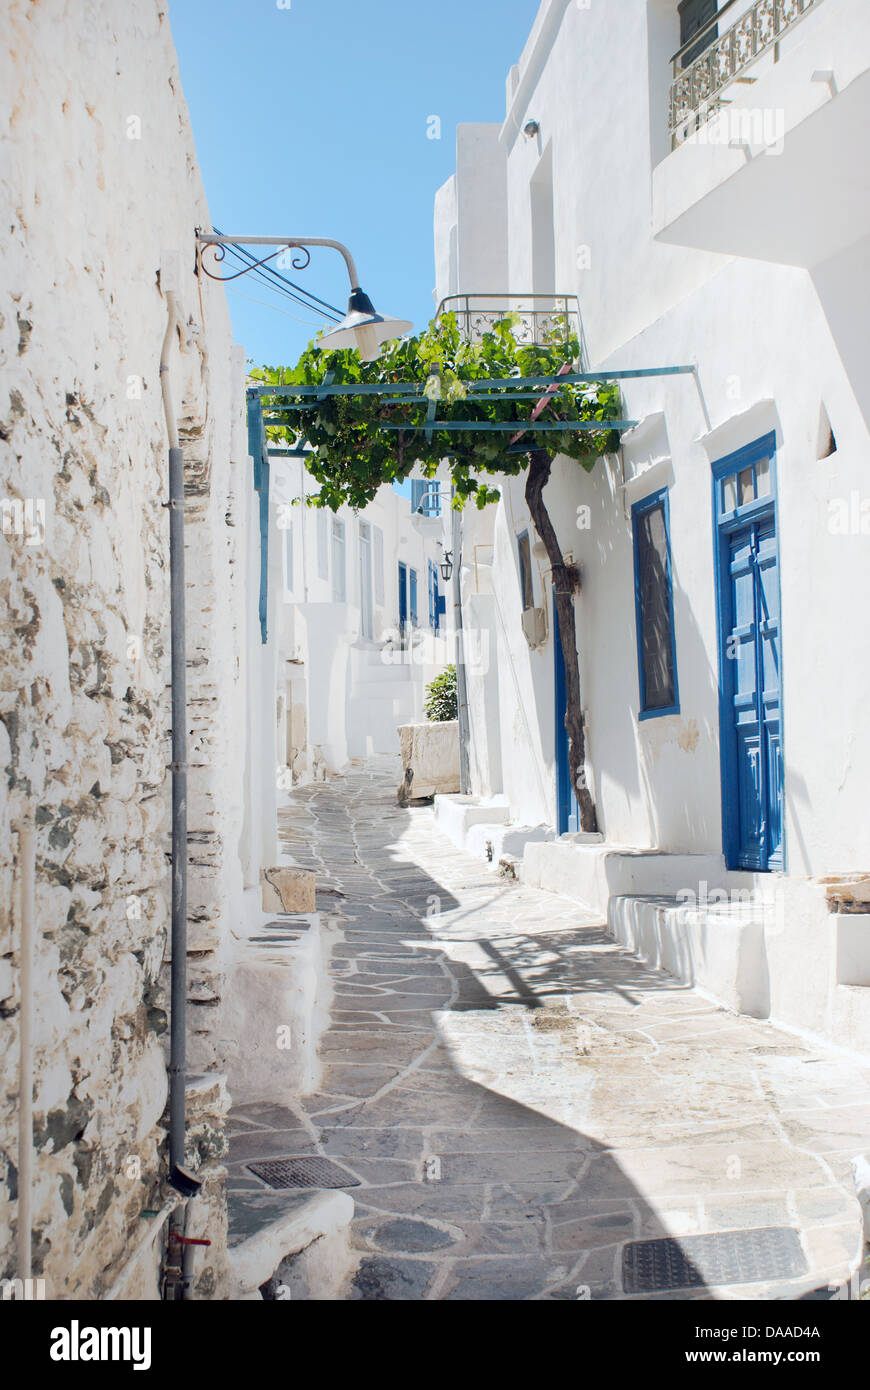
pixel 513 1101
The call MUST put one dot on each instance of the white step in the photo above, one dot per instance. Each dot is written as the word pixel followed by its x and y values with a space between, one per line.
pixel 266 1228
pixel 589 871
pixel 276 975
pixel 718 948
pixel 457 814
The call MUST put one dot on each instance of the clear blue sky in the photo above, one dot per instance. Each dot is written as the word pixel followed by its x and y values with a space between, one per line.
pixel 312 120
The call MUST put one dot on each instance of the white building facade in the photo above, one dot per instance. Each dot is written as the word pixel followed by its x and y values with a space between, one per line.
pixel 362 620
pixel 697 180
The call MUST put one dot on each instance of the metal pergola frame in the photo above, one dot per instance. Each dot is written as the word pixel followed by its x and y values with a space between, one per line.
pixel 285 414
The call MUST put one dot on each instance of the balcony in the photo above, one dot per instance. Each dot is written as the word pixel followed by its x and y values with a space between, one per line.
pixel 709 64
pixel 767 124
pixel 539 317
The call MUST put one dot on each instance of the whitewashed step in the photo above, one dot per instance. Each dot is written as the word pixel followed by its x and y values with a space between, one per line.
pixel 719 948
pixel 590 872
pixel 267 1228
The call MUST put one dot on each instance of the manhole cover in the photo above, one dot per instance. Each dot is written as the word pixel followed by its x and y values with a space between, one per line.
pixel 722 1257
pixel 302 1172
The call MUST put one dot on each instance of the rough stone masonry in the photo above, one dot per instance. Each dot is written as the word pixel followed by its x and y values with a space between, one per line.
pixel 99 179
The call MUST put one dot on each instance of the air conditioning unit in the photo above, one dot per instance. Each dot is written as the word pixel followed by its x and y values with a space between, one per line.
pixel 535 626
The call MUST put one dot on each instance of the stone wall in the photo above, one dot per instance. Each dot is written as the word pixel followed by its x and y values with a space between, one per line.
pixel 99 180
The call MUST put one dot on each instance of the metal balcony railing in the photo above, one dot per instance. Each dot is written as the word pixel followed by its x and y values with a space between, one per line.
pixel 540 317
pixel 698 82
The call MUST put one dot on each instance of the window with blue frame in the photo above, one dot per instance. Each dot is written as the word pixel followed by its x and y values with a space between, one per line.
pixel 654 606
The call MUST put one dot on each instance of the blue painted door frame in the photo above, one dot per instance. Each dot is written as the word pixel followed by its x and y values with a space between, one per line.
pixel 750 657
pixel 567 810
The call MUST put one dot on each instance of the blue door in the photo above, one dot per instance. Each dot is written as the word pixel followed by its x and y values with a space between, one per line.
pixel 750 657
pixel 567 810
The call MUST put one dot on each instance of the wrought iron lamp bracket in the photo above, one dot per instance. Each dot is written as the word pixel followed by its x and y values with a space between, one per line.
pixel 217 244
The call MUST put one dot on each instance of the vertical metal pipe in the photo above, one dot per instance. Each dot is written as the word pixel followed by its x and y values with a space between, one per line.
pixel 178 936
pixel 188 1255
pixel 26 873
pixel 178 990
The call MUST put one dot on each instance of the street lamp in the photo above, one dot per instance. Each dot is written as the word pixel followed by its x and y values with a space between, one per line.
pixel 447 565
pixel 362 327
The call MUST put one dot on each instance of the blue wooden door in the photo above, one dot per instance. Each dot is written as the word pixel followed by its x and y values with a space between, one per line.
pixel 567 810
pixel 750 660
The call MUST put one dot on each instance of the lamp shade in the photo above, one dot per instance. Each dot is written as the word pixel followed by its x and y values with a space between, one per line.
pixel 363 328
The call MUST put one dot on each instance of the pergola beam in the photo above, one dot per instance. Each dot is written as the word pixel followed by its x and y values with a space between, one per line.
pixel 496 384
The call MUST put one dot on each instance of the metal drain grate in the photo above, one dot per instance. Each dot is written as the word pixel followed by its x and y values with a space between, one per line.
pixel 302 1172
pixel 722 1257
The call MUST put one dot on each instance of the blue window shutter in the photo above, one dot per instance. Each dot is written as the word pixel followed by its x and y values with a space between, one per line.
pixel 413 595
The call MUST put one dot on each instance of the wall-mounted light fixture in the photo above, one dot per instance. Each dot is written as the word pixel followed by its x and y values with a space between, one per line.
pixel 362 327
pixel 531 129
pixel 447 565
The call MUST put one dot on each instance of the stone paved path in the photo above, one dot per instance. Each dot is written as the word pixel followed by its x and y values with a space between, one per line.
pixel 517 1097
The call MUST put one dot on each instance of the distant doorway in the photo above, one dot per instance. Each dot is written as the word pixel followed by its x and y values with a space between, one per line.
pixel 696 15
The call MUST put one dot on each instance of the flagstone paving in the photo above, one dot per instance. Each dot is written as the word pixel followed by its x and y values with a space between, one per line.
pixel 514 1096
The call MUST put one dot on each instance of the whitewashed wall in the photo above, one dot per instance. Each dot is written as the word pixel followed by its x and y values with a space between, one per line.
pixel 346 693
pixel 99 180
pixel 774 344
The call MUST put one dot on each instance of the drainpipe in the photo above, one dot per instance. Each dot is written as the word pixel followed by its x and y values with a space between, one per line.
pixel 178 987
pixel 461 685
pixel 27 874
pixel 145 1241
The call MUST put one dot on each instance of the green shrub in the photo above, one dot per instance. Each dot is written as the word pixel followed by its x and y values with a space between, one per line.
pixel 440 702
